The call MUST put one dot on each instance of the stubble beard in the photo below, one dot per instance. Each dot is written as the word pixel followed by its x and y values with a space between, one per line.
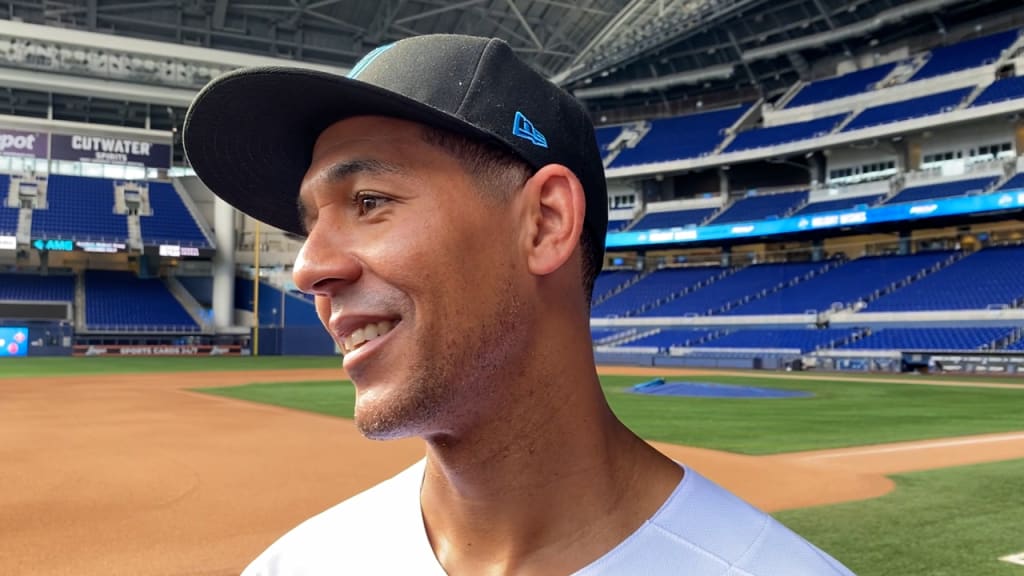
pixel 456 381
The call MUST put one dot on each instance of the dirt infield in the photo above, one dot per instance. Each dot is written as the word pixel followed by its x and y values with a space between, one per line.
pixel 132 474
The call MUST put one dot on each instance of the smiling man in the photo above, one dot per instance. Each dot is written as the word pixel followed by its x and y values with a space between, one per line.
pixel 454 207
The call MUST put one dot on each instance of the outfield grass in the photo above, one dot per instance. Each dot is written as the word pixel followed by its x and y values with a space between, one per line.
pixel 64 366
pixel 949 522
pixel 840 414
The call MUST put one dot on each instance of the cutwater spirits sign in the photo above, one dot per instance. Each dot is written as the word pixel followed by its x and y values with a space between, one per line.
pixel 111 150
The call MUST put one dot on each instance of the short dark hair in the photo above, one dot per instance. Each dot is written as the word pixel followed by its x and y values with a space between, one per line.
pixel 499 170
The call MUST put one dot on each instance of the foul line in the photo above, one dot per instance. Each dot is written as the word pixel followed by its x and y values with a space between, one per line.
pixel 926 445
pixel 1014 558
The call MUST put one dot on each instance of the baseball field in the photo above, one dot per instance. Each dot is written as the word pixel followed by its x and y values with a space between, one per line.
pixel 192 466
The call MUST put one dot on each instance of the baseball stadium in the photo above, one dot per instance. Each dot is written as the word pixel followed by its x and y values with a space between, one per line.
pixel 812 291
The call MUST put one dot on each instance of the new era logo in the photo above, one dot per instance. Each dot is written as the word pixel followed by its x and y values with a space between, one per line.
pixel 524 129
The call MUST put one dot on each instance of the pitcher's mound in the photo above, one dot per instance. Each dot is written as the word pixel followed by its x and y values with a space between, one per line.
pixel 693 389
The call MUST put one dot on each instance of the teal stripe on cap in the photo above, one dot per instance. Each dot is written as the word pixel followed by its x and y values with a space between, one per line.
pixel 368 59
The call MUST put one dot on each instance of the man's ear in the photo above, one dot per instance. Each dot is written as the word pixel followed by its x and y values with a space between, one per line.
pixel 555 210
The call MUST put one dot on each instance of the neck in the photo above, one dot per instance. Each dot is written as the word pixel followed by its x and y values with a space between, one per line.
pixel 549 485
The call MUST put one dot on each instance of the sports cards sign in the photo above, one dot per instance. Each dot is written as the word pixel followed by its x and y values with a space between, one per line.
pixel 110 150
pixel 18 143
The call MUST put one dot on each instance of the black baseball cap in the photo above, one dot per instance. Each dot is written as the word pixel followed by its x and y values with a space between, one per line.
pixel 249 134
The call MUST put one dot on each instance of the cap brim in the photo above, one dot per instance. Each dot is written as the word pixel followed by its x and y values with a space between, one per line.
pixel 249 135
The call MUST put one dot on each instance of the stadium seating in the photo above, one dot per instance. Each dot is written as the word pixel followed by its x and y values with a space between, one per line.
pixel 839 204
pixel 598 334
pixel 775 135
pixel 672 337
pixel 8 216
pixel 618 225
pixel 1000 91
pixel 171 222
pixel 908 109
pixel 277 308
pixel 652 288
pixel 929 339
pixel 760 207
pixel 840 86
pixel 943 190
pixel 605 135
pixel 1018 345
pixel 991 277
pixel 1015 183
pixel 683 218
pixel 804 340
pixel 964 55
pixel 846 284
pixel 122 301
pixel 745 283
pixel 681 137
pixel 80 209
pixel 32 287
pixel 609 280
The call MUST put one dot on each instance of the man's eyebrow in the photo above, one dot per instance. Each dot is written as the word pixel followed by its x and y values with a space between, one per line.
pixel 349 168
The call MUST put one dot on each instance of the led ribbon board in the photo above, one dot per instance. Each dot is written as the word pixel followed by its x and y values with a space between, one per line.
pixel 1006 200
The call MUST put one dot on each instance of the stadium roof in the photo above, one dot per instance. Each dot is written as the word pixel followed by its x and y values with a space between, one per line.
pixel 615 54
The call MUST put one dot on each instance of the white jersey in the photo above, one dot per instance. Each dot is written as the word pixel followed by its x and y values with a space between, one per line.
pixel 701 530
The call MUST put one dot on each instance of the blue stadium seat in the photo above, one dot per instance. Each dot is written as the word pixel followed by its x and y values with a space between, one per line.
pixel 775 135
pixel 80 208
pixel 929 339
pixel 943 190
pixel 846 284
pixel 618 225
pixel 605 135
pixel 671 338
pixel 804 340
pixel 964 55
pixel 840 204
pixel 677 218
pixel 1000 91
pixel 1015 183
pixel 609 280
pixel 991 277
pixel 8 216
pixel 840 86
pixel 122 301
pixel 681 137
pixel 1018 345
pixel 654 287
pixel 171 222
pixel 33 287
pixel 908 109
pixel 760 207
pixel 745 283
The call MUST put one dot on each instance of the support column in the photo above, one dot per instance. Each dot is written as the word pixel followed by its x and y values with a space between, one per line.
pixel 224 264
pixel 905 244
pixel 817 250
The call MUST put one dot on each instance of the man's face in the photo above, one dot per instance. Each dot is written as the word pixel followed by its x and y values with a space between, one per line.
pixel 416 277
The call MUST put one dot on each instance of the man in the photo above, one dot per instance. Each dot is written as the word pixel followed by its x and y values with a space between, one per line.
pixel 454 208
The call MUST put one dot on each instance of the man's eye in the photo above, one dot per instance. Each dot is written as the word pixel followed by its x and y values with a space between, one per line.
pixel 367 203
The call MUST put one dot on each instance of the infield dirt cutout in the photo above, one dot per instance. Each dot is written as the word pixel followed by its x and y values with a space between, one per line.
pixel 134 474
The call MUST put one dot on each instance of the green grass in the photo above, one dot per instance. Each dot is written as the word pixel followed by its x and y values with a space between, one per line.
pixel 950 522
pixel 840 413
pixel 331 398
pixel 64 366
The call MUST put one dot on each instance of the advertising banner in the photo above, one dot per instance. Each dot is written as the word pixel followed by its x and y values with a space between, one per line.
pixel 18 143
pixel 158 350
pixel 13 341
pixel 110 150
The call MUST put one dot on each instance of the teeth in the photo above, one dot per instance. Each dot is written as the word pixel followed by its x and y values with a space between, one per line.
pixel 366 333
